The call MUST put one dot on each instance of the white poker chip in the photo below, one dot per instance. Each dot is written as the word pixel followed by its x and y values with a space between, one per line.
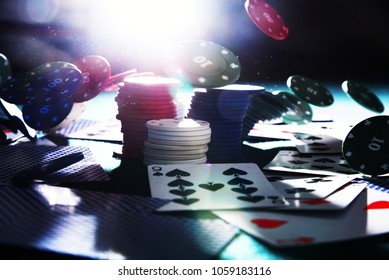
pixel 177 152
pixel 178 138
pixel 178 142
pixel 149 155
pixel 170 147
pixel 203 132
pixel 177 124
pixel 156 161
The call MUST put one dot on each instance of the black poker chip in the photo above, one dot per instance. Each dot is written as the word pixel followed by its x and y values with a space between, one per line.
pixel 299 112
pixel 363 96
pixel 14 90
pixel 366 146
pixel 310 90
pixel 5 69
pixel 202 63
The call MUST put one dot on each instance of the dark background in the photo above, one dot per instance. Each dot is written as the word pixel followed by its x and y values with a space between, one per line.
pixel 328 40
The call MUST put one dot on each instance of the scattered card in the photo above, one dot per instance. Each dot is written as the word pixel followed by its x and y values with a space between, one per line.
pixel 366 216
pixel 338 200
pixel 212 186
pixel 293 161
pixel 311 188
pixel 19 158
pixel 317 144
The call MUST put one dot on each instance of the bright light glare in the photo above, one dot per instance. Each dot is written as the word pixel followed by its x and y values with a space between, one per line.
pixel 152 21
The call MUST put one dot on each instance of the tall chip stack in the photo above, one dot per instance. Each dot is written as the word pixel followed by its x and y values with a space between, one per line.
pixel 139 100
pixel 224 108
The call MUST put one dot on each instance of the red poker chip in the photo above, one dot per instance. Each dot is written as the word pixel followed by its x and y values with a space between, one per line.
pixel 146 99
pixel 128 116
pixel 151 81
pixel 267 19
pixel 118 78
pixel 96 70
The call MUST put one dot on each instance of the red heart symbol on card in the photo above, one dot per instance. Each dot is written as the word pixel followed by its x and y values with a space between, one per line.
pixel 381 204
pixel 268 223
pixel 315 201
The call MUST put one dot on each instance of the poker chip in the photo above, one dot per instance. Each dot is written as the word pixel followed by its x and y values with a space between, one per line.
pixel 14 90
pixel 225 109
pixel 267 19
pixel 185 140
pixel 202 63
pixel 310 91
pixel 299 112
pixel 77 110
pixel 176 148
pixel 263 107
pixel 55 84
pixel 47 83
pixel 141 99
pixel 118 78
pixel 366 146
pixel 363 96
pixel 148 161
pixel 96 70
pixel 178 125
pixel 45 117
pixel 5 69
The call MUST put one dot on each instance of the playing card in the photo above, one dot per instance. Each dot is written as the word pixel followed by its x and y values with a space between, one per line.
pixel 106 130
pixel 293 161
pixel 212 186
pixel 337 200
pixel 336 130
pixel 317 144
pixel 19 158
pixel 366 216
pixel 311 188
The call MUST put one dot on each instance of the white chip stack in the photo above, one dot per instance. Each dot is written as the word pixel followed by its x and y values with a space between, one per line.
pixel 176 141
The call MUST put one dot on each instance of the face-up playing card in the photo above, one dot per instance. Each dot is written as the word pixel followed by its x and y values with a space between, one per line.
pixel 212 186
pixel 293 161
pixel 317 144
pixel 366 216
pixel 336 130
pixel 311 188
pixel 337 200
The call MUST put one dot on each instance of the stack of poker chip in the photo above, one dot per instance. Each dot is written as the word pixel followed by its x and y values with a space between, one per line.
pixel 265 106
pixel 139 100
pixel 224 108
pixel 177 141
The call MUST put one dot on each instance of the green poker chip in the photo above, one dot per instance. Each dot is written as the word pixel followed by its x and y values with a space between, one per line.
pixel 366 146
pixel 363 96
pixel 300 112
pixel 202 64
pixel 310 90
pixel 5 69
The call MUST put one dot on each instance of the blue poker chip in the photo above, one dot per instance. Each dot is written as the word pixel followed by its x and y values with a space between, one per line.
pixel 44 117
pixel 14 90
pixel 54 85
